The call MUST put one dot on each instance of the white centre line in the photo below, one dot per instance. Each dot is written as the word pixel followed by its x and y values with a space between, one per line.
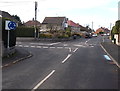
pixel 75 50
pixel 66 58
pixel 41 82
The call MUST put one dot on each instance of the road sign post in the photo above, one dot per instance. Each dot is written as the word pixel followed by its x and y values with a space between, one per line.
pixel 9 25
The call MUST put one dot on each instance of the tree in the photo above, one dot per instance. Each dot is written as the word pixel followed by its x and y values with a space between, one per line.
pixel 114 30
pixel 117 24
pixel 16 18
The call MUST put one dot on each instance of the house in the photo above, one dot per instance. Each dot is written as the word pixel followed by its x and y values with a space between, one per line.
pixel 6 14
pixel 12 17
pixel 54 24
pixel 102 30
pixel 75 28
pixel 32 23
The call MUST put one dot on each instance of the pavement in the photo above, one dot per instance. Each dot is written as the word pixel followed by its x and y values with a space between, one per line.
pixel 18 56
pixel 112 50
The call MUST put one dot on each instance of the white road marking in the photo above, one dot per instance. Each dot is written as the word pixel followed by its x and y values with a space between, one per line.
pixel 66 47
pixel 41 82
pixel 45 44
pixel 87 41
pixel 65 44
pixel 59 47
pixel 80 45
pixel 45 47
pixel 75 50
pixel 20 45
pixel 110 56
pixel 107 57
pixel 54 43
pixel 26 46
pixel 52 47
pixel 70 50
pixel 38 46
pixel 66 58
pixel 32 46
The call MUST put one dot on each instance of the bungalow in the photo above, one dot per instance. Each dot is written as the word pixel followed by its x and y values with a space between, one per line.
pixel 54 23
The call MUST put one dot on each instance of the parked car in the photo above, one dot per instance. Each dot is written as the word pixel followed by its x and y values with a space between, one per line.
pixel 88 36
pixel 108 34
pixel 94 35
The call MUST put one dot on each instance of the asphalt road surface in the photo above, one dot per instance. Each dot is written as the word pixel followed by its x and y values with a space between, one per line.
pixel 76 64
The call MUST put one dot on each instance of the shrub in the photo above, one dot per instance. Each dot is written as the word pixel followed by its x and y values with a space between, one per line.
pixel 46 35
pixel 25 32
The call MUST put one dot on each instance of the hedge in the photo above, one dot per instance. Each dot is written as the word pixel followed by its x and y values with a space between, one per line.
pixel 25 32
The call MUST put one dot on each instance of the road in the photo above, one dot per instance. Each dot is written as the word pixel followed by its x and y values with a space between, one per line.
pixel 76 64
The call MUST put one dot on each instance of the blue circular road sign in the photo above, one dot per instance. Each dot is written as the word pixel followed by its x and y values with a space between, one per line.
pixel 12 25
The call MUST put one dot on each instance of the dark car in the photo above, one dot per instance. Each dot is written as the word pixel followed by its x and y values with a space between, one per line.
pixel 88 36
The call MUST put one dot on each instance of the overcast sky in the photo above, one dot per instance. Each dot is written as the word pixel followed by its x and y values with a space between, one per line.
pixel 84 12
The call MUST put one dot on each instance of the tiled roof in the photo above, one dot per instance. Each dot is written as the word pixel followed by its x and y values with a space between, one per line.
pixel 102 30
pixel 53 20
pixel 31 23
pixel 71 23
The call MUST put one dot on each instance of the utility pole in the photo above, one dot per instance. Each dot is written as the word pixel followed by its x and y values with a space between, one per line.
pixel 110 26
pixel 35 25
pixel 92 25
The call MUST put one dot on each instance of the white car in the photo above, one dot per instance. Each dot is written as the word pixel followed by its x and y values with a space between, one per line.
pixel 94 35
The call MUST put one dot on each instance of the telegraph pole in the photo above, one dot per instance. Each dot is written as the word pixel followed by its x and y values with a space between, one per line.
pixel 92 25
pixel 110 26
pixel 35 25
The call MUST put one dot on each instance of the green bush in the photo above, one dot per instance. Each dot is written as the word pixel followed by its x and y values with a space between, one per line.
pixel 46 35
pixel 25 32
pixel 117 24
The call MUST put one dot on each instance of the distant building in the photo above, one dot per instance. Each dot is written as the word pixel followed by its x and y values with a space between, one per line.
pixel 75 28
pixel 119 10
pixel 102 30
pixel 7 15
pixel 31 23
pixel 54 23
